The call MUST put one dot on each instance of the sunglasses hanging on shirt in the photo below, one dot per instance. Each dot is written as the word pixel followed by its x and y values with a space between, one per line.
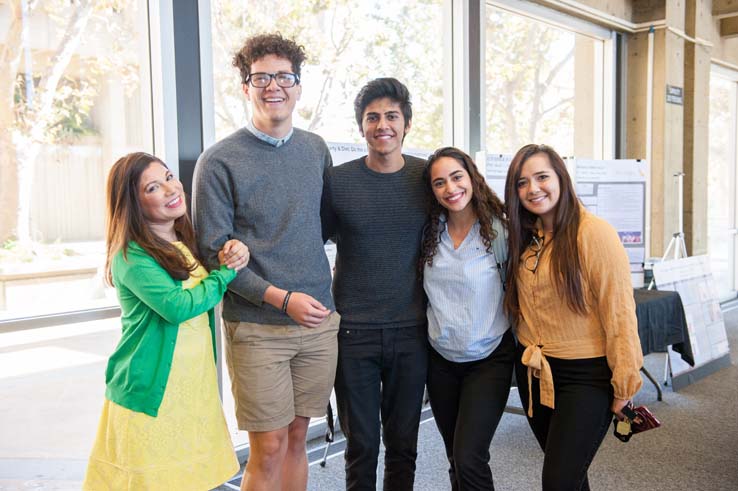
pixel 536 246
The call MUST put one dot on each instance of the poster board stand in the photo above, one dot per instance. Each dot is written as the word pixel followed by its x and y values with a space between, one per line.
pixel 692 279
pixel 680 251
pixel 677 239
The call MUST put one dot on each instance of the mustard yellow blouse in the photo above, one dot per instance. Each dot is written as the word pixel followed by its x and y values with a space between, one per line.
pixel 548 327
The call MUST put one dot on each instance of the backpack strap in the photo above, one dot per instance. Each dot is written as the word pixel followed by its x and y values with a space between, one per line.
pixel 499 247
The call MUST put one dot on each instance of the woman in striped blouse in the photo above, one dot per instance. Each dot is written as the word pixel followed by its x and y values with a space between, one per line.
pixel 471 344
pixel 570 295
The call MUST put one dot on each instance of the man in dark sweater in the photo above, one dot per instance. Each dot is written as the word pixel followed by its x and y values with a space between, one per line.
pixel 374 210
pixel 263 186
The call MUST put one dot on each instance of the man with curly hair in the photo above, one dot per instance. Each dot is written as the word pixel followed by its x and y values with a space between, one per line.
pixel 262 185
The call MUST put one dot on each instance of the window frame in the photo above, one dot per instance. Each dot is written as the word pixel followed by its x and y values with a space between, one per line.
pixel 613 68
pixel 161 88
pixel 731 76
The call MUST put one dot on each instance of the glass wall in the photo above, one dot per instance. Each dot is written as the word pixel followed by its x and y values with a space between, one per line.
pixel 544 84
pixel 77 86
pixel 75 83
pixel 721 176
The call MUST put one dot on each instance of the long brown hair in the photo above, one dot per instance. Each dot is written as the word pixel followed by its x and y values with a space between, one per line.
pixel 485 202
pixel 125 221
pixel 566 266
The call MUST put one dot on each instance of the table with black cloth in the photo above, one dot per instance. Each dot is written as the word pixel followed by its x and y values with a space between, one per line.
pixel 661 323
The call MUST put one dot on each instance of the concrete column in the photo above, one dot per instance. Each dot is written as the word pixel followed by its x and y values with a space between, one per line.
pixel 635 123
pixel 667 118
pixel 698 24
pixel 673 135
pixel 587 117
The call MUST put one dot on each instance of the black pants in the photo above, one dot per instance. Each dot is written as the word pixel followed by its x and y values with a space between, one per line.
pixel 571 434
pixel 381 373
pixel 467 401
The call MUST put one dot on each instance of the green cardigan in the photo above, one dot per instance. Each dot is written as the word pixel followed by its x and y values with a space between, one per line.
pixel 153 304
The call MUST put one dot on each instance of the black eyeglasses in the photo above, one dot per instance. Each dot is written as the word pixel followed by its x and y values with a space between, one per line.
pixel 536 246
pixel 283 79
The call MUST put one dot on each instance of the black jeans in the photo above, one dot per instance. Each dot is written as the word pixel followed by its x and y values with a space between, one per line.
pixel 571 434
pixel 381 373
pixel 467 401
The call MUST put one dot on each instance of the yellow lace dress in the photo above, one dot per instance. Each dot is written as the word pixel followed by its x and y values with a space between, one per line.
pixel 187 446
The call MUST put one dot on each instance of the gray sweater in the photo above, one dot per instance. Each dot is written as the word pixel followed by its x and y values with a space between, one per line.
pixel 268 198
pixel 376 221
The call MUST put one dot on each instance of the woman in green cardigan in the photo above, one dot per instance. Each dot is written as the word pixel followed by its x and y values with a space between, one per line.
pixel 162 425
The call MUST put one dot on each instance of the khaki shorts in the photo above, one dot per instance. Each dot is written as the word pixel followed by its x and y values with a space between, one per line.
pixel 279 372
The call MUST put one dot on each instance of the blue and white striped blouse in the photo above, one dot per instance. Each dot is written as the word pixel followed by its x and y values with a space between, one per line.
pixel 466 320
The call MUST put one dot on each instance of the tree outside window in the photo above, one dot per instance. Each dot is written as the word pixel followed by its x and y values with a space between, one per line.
pixel 348 43
pixel 73 86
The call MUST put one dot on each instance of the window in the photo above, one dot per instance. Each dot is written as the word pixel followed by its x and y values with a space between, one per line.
pixel 77 98
pixel 76 81
pixel 721 178
pixel 348 43
pixel 544 84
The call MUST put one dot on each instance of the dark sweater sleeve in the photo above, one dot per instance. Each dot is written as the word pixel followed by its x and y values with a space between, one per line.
pixel 328 160
pixel 212 209
pixel 328 217
pixel 213 213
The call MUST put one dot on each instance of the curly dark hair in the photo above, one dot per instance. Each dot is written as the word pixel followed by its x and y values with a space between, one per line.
pixel 487 205
pixel 261 45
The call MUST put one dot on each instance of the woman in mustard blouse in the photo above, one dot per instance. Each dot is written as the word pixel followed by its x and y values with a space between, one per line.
pixel 162 425
pixel 569 292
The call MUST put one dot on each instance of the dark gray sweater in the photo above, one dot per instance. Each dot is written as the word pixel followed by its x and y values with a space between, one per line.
pixel 268 198
pixel 376 221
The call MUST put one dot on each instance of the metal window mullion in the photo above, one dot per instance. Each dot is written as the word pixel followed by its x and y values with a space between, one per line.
pixel 468 24
pixel 163 83
pixel 734 196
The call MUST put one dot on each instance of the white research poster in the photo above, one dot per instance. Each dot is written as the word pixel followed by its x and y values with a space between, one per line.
pixel 496 166
pixel 616 190
pixel 342 152
pixel 692 279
